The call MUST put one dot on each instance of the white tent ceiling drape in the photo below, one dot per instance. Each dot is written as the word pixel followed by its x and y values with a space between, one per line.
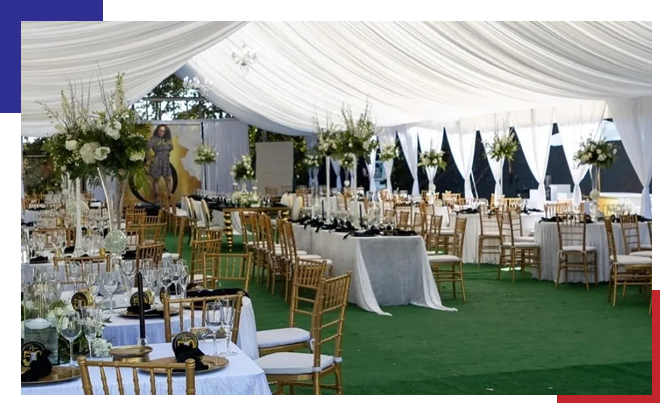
pixel 147 52
pixel 462 138
pixel 418 71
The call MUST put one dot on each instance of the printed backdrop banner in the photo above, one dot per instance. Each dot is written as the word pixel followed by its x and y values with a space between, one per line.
pixel 170 161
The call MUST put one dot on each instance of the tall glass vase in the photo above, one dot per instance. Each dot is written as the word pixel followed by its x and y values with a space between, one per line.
pixel 116 240
pixel 595 178
pixel 430 172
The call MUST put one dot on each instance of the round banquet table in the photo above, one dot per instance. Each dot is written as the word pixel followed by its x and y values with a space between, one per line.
pixel 124 331
pixel 241 377
pixel 546 235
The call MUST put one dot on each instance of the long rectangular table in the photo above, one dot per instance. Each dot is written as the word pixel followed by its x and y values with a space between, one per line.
pixel 241 377
pixel 387 271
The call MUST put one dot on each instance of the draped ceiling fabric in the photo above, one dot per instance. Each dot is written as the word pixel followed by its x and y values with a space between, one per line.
pixel 147 52
pixel 387 136
pixel 577 124
pixel 462 138
pixel 417 71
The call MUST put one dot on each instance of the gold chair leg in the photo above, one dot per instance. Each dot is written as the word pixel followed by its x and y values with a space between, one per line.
pixel 559 267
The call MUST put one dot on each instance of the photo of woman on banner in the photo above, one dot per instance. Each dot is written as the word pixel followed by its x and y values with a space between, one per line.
pixel 161 144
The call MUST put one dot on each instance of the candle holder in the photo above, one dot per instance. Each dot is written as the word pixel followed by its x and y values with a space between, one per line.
pixel 142 341
pixel 131 353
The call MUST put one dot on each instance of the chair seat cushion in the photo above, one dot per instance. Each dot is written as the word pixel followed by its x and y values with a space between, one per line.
pixel 181 212
pixel 311 257
pixel 175 257
pixel 491 234
pixel 645 247
pixel 328 262
pixel 446 232
pixel 643 253
pixel 291 363
pixel 578 248
pixel 529 239
pixel 434 258
pixel 280 252
pixel 631 260
pixel 281 337
pixel 522 244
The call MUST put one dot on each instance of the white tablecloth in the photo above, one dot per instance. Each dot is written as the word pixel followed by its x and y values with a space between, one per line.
pixel 387 271
pixel 546 235
pixel 218 217
pixel 122 331
pixel 241 377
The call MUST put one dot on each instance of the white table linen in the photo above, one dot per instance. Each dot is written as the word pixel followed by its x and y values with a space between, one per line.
pixel 547 236
pixel 241 377
pixel 122 331
pixel 387 271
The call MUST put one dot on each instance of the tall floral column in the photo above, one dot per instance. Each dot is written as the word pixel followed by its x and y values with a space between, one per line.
pixel 205 155
pixel 432 160
pixel 503 147
pixel 599 154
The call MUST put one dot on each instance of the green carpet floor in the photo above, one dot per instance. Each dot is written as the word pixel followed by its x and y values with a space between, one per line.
pixel 522 338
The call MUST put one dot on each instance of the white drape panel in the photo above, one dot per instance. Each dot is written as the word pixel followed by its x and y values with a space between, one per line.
pixel 408 140
pixel 337 168
pixel 429 139
pixel 387 136
pixel 371 170
pixel 147 52
pixel 230 136
pixel 313 173
pixel 632 118
pixel 487 127
pixel 462 137
pixel 470 69
pixel 578 123
pixel 534 129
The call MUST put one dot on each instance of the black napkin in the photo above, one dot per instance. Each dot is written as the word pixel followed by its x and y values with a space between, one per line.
pixel 468 211
pixel 69 249
pixel 37 209
pixel 147 310
pixel 400 232
pixel 364 234
pixel 39 259
pixel 130 254
pixel 39 368
pixel 184 352
pixel 531 210
pixel 29 224
pixel 195 291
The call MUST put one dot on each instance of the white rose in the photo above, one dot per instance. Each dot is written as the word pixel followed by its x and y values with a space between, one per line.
pixel 601 157
pixel 101 153
pixel 116 125
pixel 29 305
pixel 584 158
pixel 591 155
pixel 435 161
pixel 137 156
pixel 71 145
pixel 614 151
pixel 599 151
pixel 87 152
pixel 58 311
pixel 350 145
pixel 52 318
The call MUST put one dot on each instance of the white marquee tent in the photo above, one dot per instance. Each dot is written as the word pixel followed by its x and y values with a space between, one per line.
pixel 420 77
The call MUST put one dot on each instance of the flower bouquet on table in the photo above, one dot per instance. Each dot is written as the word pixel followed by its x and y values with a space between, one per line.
pixel 503 147
pixel 242 170
pixel 359 135
pixel 312 160
pixel 432 159
pixel 388 152
pixel 326 138
pixel 598 154
pixel 205 154
pixel 346 161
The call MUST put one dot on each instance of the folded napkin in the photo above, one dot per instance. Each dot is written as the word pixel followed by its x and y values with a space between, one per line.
pixel 37 209
pixel 29 224
pixel 147 310
pixel 184 352
pixel 551 219
pixel 400 232
pixel 531 210
pixel 364 234
pixel 130 254
pixel 39 259
pixel 39 368
pixel 69 249
pixel 468 211
pixel 195 291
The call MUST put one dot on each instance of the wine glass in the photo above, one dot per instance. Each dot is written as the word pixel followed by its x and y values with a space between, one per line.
pixel 228 322
pixel 91 323
pixel 70 327
pixel 166 277
pixel 184 279
pixel 110 284
pixel 214 320
pixel 75 274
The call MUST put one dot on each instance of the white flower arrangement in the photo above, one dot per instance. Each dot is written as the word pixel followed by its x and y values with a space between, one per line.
pixel 312 160
pixel 596 153
pixel 432 158
pixel 504 146
pixel 243 169
pixel 346 161
pixel 100 347
pixel 205 154
pixel 388 152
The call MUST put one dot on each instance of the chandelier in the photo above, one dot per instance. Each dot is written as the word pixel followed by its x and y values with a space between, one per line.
pixel 244 59
pixel 195 84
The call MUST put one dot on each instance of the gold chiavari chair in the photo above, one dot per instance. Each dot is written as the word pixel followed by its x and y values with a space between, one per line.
pixel 572 232
pixel 433 236
pixel 515 253
pixel 153 252
pixel 276 264
pixel 555 209
pixel 153 233
pixel 226 267
pixel 260 258
pixel 69 233
pixel 650 224
pixel 624 269
pixel 246 229
pixel 403 218
pixel 208 224
pixel 489 237
pixel 631 238
pixel 342 203
pixel 134 235
pixel 165 209
pixel 179 215
pixel 453 260
pixel 188 366
pixel 307 369
pixel 74 267
pixel 189 306
pixel 199 248
pixel 135 217
pixel 307 276
pixel 511 203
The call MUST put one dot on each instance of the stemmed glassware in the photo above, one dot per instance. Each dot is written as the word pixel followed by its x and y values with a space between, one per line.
pixel 110 284
pixel 91 323
pixel 228 310
pixel 70 325
pixel 214 318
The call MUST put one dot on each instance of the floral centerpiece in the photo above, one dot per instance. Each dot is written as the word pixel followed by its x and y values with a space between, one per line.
pixel 346 161
pixel 599 154
pixel 312 160
pixel 326 138
pixel 205 154
pixel 358 137
pixel 503 147
pixel 388 152
pixel 432 160
pixel 102 146
pixel 242 170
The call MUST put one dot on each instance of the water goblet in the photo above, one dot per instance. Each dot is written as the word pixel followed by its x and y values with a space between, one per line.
pixel 110 284
pixel 91 323
pixel 70 328
pixel 228 323
pixel 214 319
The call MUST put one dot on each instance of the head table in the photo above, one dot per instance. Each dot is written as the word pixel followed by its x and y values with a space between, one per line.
pixel 241 377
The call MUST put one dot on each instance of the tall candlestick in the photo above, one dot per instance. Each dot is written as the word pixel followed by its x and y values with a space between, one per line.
pixel 141 306
pixel 323 209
